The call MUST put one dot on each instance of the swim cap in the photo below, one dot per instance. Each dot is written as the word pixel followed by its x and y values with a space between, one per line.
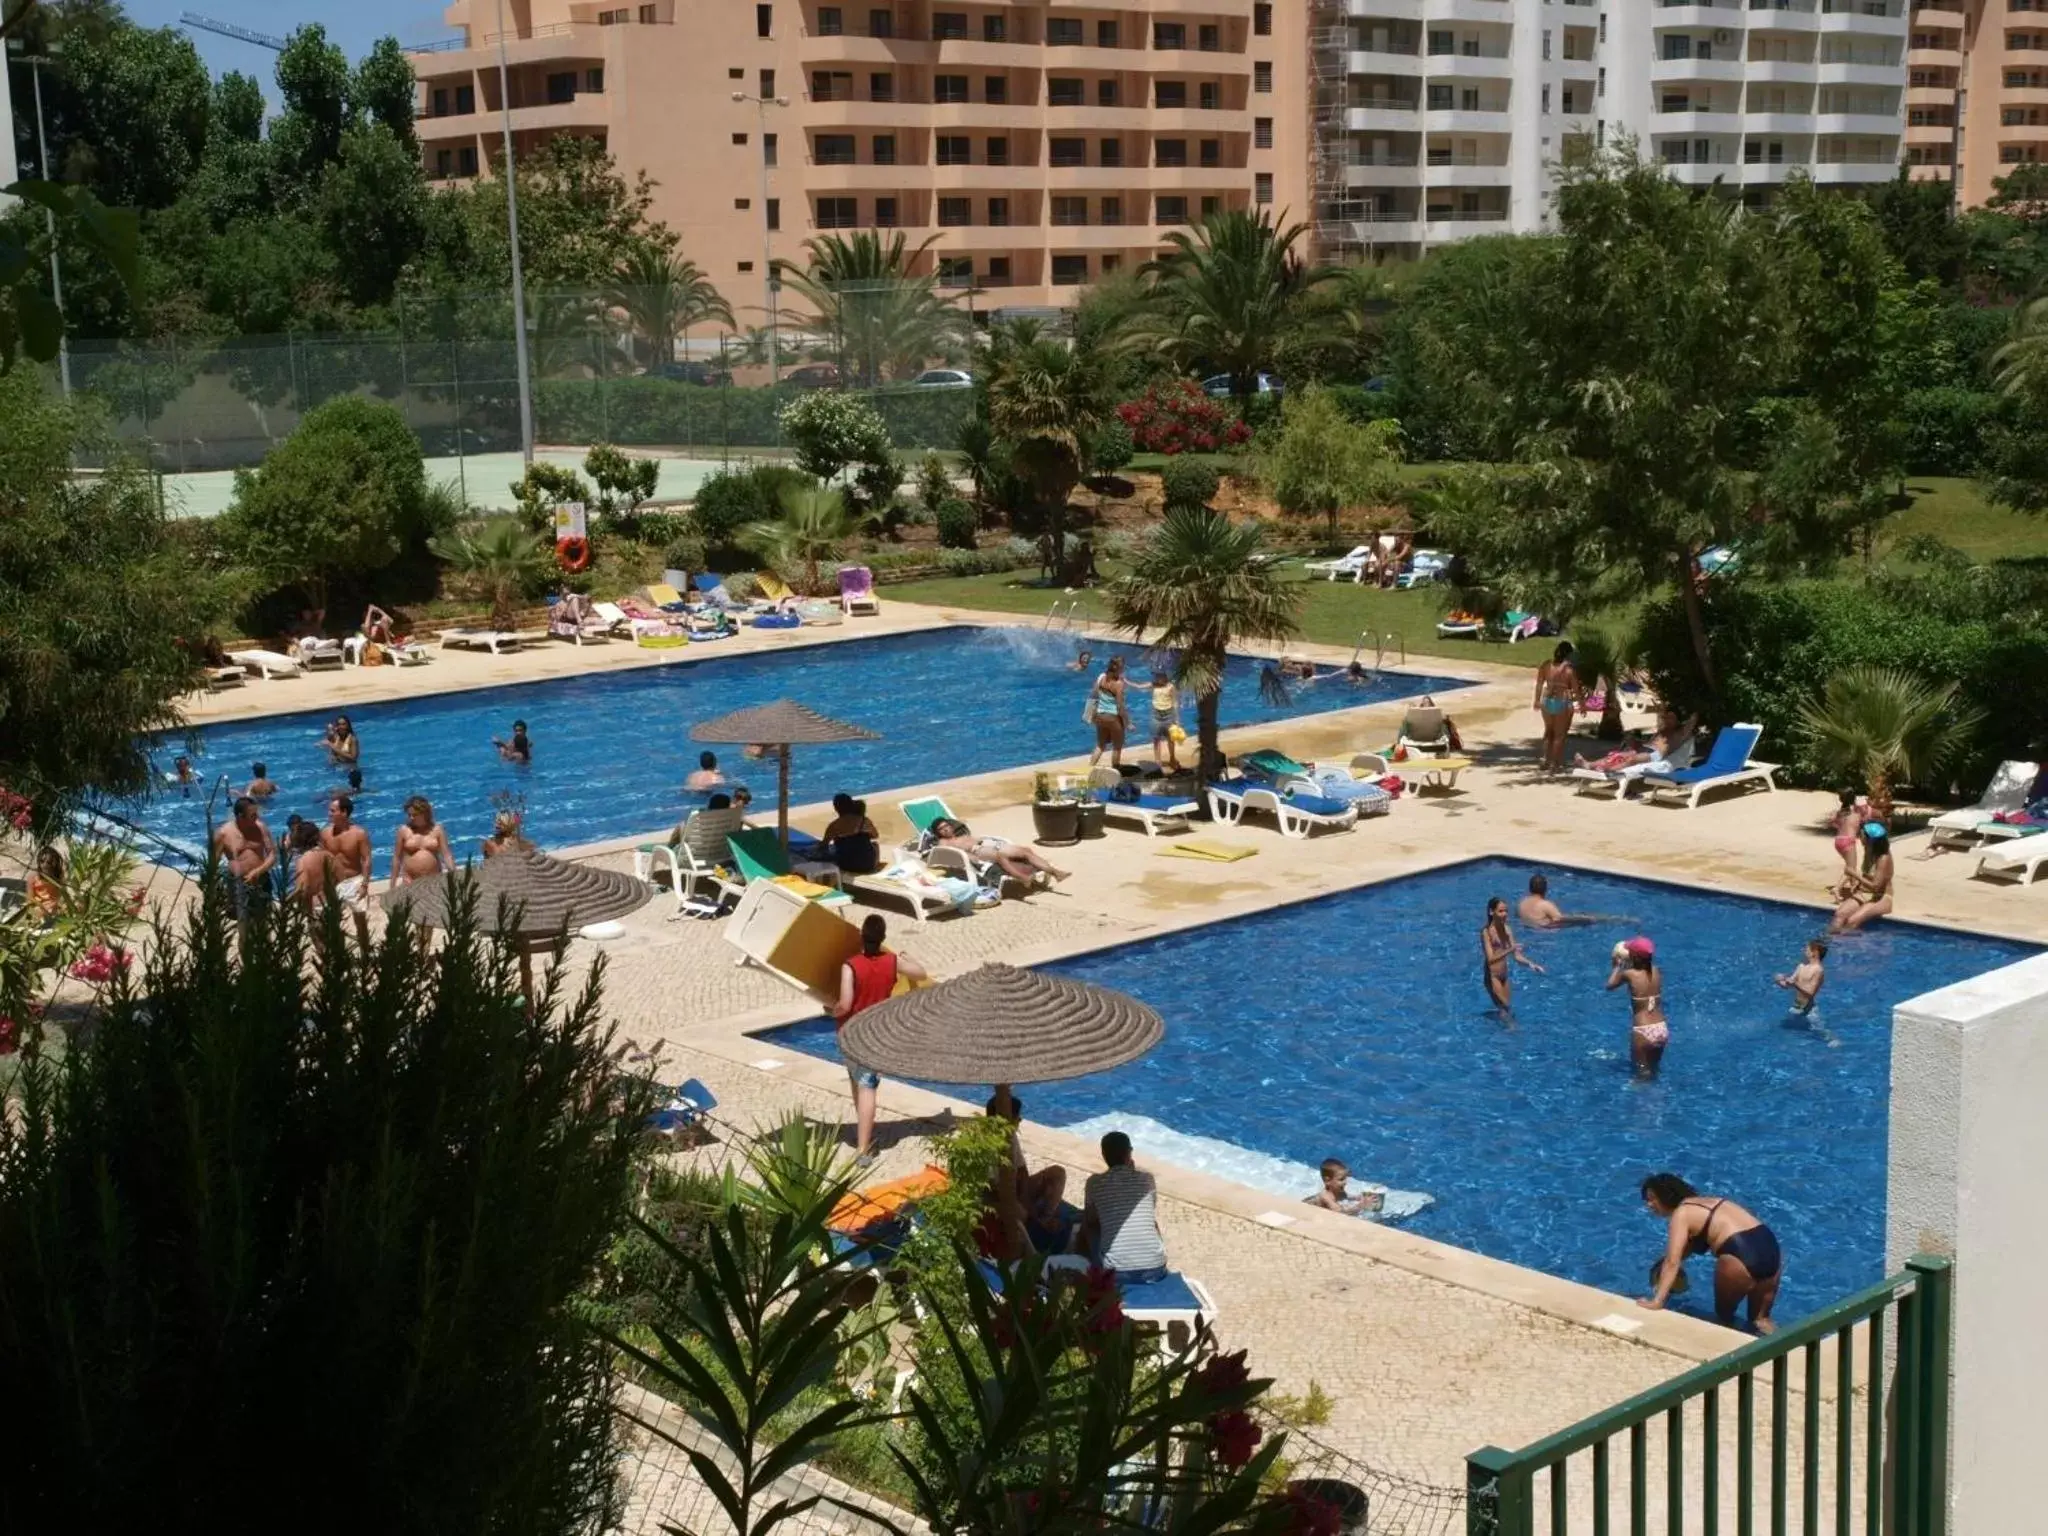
pixel 1875 829
pixel 1641 946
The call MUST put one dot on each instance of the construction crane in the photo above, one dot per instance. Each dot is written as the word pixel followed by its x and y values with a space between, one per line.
pixel 229 29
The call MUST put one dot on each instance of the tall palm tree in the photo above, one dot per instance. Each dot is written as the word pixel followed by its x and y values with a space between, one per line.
pixel 881 319
pixel 1886 727
pixel 498 559
pixel 1227 295
pixel 1200 588
pixel 1044 399
pixel 661 296
pixel 814 526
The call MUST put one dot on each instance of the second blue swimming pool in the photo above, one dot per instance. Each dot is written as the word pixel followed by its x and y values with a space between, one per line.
pixel 1354 1026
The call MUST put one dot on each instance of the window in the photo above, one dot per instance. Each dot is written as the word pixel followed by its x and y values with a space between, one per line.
pixel 1439 99
pixel 1112 210
pixel 1170 208
pixel 1674 101
pixel 1169 34
pixel 1603 26
pixel 998 211
pixel 767 91
pixel 881 23
pixel 1112 152
pixel 1262 133
pixel 1112 261
pixel 1212 96
pixel 835 149
pixel 831 21
pixel 1070 210
pixel 1442 42
pixel 998 271
pixel 1067 151
pixel 881 86
pixel 465 160
pixel 995 28
pixel 1262 187
pixel 740 139
pixel 956 271
pixel 1600 84
pixel 1211 205
pixel 952 149
pixel 1262 77
pixel 1209 39
pixel 1212 152
pixel 438 105
pixel 1105 35
pixel 1063 93
pixel 884 148
pixel 465 100
pixel 1677 45
pixel 948 24
pixel 1062 32
pixel 773 208
pixel 1170 152
pixel 885 213
pixel 1468 99
pixel 998 151
pixel 647 15
pixel 1170 93
pixel 768 150
pixel 954 211
pixel 837 213
pixel 1546 42
pixel 561 87
pixel 1069 271
pixel 444 165
pixel 949 87
pixel 1106 93
pixel 746 266
pixel 1546 98
pixel 764 21
pixel 1571 101
pixel 995 89
pixel 736 74
pixel 831 85
pixel 1262 19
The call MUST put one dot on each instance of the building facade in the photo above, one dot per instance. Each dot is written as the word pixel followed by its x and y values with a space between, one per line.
pixel 1039 147
pixel 1977 92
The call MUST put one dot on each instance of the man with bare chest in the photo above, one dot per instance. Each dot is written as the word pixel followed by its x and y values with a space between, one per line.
pixel 348 850
pixel 248 854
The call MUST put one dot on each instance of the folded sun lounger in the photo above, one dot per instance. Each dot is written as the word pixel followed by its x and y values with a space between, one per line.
pixel 799 941
pixel 1726 765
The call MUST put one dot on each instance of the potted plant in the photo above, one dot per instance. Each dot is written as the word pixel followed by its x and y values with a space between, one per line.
pixel 1054 817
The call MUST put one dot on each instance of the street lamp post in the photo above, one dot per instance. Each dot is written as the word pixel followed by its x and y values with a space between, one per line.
pixel 512 230
pixel 35 62
pixel 769 286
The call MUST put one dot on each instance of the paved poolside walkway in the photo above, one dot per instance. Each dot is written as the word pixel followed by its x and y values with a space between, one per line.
pixel 1427 1351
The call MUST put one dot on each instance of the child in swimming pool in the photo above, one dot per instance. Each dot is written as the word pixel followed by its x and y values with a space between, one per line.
pixel 1334 1197
pixel 1807 978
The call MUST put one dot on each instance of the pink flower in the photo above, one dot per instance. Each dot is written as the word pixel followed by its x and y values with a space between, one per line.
pixel 1311 1516
pixel 1235 1436
pixel 1221 1373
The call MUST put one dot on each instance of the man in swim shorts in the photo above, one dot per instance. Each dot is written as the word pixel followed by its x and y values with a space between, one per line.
pixel 348 851
pixel 248 854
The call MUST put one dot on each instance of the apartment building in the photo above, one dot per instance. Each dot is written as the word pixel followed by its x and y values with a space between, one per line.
pixel 1976 92
pixel 1044 146
pixel 1436 120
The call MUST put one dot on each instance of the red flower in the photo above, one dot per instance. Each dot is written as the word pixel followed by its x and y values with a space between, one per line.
pixel 1235 1436
pixel 1311 1516
pixel 1105 1302
pixel 10 1036
pixel 1220 1374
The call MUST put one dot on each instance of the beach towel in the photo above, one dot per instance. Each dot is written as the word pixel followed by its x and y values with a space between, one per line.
pixel 861 1209
pixel 1207 850
pixel 1273 764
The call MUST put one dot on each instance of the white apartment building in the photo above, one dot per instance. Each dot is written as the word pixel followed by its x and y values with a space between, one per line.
pixel 1437 120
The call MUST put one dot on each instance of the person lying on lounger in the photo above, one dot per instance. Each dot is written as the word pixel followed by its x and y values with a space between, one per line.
pixel 1016 861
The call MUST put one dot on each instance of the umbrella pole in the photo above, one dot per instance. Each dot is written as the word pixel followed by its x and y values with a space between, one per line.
pixel 782 795
pixel 526 977
pixel 1009 1206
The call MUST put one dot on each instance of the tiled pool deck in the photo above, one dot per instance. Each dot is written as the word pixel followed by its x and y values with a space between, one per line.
pixel 1427 1351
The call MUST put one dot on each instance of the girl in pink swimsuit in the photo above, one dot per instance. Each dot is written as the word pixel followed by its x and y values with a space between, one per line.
pixel 1635 967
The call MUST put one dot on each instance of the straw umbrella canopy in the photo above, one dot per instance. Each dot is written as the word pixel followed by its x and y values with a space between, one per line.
pixel 781 725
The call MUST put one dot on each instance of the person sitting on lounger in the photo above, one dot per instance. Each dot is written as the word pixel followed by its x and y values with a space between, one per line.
pixel 1018 862
pixel 1335 1194
pixel 1120 1216
pixel 851 840
pixel 1038 1193
pixel 379 628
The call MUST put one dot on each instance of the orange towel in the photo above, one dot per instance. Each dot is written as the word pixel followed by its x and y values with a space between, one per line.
pixel 863 1208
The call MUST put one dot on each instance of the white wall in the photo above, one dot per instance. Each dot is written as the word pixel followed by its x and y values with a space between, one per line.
pixel 1969 1143
pixel 9 171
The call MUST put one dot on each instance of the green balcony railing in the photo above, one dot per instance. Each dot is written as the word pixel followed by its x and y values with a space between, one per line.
pixel 1843 1451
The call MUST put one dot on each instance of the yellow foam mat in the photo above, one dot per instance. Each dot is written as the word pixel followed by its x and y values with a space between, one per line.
pixel 1206 850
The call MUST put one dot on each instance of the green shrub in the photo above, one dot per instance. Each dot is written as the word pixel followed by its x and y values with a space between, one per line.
pixel 1944 428
pixel 642 412
pixel 684 552
pixel 729 500
pixel 956 523
pixel 934 484
pixel 1189 482
pixel 1110 447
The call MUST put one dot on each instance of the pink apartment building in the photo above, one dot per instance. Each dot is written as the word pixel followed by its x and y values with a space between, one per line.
pixel 1044 145
pixel 1976 91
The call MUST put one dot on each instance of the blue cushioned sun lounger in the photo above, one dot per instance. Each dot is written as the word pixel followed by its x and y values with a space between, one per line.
pixel 1726 765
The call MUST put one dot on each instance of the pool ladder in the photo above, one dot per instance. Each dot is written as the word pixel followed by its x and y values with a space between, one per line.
pixel 1380 643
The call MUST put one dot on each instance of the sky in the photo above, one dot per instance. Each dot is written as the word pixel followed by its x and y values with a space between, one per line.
pixel 355 25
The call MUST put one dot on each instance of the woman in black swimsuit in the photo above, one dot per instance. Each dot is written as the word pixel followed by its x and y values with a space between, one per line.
pixel 1747 1263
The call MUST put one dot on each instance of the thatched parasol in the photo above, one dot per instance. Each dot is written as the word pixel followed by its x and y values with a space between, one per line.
pixel 781 725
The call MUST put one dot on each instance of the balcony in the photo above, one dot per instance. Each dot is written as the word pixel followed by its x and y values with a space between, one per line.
pixel 851 48
pixel 1490 64
pixel 1930 133
pixel 1866 124
pixel 1681 71
pixel 1846 18
pixel 1696 122
pixel 1383 10
pixel 1861 170
pixel 1935 58
pixel 1465 171
pixel 1483 119
pixel 1698 173
pixel 1719 17
pixel 1852 73
pixel 1782 71
pixel 1382 114
pixel 1494 12
pixel 1369 61
pixel 1764 17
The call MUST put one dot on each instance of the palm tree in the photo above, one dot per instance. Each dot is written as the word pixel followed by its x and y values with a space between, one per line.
pixel 1200 588
pixel 1603 656
pixel 1044 399
pixel 1226 296
pixel 498 558
pixel 815 523
pixel 881 319
pixel 2021 364
pixel 661 296
pixel 1884 727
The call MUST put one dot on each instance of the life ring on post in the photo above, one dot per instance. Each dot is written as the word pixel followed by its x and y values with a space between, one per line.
pixel 573 553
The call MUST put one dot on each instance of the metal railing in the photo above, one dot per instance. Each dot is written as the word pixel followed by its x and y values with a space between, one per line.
pixel 1894 1464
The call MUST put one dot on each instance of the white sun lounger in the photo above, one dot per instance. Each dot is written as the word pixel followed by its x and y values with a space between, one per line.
pixel 315 653
pixel 2006 792
pixel 496 641
pixel 265 663
pixel 2019 860
pixel 1352 565
pixel 910 882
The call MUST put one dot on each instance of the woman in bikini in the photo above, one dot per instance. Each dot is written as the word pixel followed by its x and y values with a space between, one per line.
pixel 1869 890
pixel 1497 946
pixel 1106 710
pixel 1557 694
pixel 422 847
pixel 1635 967
pixel 1747 1261
pixel 344 750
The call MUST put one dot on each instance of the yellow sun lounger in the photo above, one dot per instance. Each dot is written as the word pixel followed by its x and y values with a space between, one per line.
pixel 772 586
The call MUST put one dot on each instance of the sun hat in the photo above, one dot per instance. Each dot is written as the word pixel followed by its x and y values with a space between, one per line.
pixel 1875 829
pixel 1640 946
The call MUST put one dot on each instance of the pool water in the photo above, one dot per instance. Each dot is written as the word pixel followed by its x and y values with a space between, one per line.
pixel 1354 1026
pixel 611 750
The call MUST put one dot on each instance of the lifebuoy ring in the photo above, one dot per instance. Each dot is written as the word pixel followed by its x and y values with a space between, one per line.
pixel 573 553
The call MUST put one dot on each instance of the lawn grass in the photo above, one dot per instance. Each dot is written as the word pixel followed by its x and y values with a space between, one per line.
pixel 1956 512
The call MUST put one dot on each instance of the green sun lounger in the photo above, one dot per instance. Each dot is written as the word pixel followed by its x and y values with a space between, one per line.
pixel 758 853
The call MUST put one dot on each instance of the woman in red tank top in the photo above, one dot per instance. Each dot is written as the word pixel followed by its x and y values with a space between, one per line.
pixel 865 980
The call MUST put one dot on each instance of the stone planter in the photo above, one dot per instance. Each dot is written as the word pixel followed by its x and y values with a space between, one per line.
pixel 1056 821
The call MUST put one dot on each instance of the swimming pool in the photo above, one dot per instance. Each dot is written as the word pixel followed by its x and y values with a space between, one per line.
pixel 611 749
pixel 1379 1049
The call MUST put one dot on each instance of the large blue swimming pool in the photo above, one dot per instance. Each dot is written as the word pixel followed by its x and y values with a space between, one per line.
pixel 612 749
pixel 1354 1026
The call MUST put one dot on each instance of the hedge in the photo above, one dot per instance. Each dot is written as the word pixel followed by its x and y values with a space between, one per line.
pixel 644 412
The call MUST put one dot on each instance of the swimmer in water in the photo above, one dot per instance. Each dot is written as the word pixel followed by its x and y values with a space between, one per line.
pixel 1808 977
pixel 707 775
pixel 1335 1196
pixel 262 786
pixel 519 749
pixel 1082 661
pixel 1539 911
pixel 1498 946
pixel 1635 967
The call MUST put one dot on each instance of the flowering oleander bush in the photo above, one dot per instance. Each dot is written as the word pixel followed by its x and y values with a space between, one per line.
pixel 1176 417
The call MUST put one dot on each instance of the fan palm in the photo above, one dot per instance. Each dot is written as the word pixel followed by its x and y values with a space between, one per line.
pixel 661 296
pixel 498 559
pixel 1226 296
pixel 881 319
pixel 2021 364
pixel 1602 656
pixel 1200 588
pixel 1882 727
pixel 814 525
pixel 1044 399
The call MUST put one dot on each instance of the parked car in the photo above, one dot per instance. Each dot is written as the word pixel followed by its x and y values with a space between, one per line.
pixel 944 378
pixel 707 374
pixel 814 376
pixel 1219 385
